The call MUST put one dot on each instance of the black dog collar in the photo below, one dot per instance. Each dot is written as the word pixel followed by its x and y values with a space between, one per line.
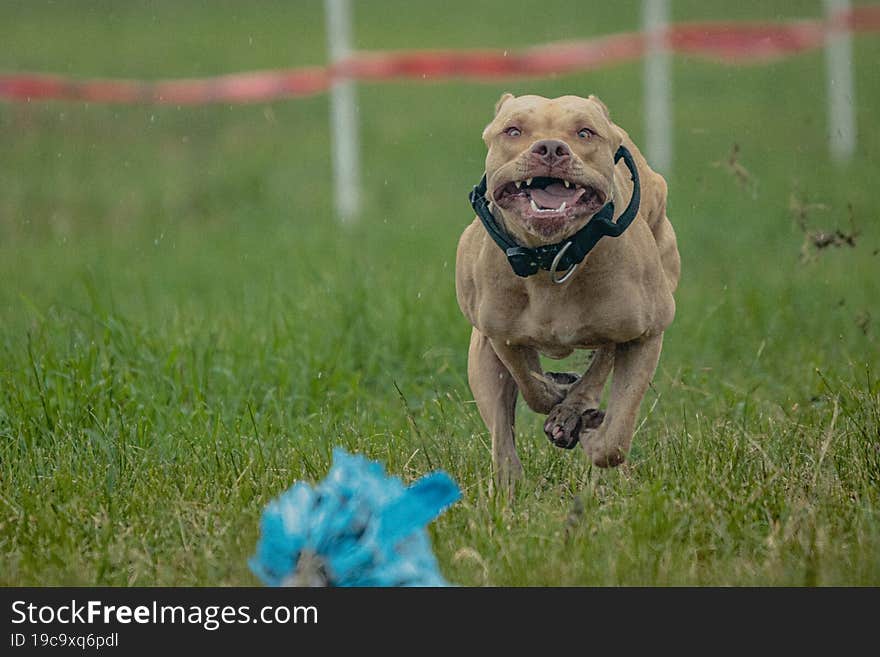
pixel 562 256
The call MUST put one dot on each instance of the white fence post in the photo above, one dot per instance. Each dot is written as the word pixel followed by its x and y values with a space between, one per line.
pixel 657 86
pixel 840 87
pixel 343 115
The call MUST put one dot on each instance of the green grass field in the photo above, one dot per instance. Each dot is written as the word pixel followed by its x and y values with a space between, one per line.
pixel 185 330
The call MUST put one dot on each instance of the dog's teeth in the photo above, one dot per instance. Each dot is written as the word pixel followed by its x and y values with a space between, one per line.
pixel 566 183
pixel 535 206
pixel 529 182
pixel 561 207
pixel 518 184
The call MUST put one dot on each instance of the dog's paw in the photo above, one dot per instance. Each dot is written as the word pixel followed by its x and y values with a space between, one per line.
pixel 564 380
pixel 592 418
pixel 563 426
pixel 508 472
pixel 606 456
pixel 565 423
pixel 603 450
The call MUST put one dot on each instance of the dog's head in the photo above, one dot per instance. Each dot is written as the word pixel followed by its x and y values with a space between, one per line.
pixel 550 165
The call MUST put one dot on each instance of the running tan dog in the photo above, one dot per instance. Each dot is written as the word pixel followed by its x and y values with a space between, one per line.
pixel 550 170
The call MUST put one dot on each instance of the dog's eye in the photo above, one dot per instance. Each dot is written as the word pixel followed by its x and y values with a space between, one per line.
pixel 513 131
pixel 586 133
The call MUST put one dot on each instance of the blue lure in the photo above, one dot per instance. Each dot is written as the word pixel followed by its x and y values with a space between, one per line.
pixel 358 527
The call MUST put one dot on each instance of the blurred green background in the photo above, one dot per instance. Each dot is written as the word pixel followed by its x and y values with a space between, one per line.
pixel 186 329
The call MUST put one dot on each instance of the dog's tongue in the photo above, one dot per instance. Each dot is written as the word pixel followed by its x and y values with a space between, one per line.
pixel 553 195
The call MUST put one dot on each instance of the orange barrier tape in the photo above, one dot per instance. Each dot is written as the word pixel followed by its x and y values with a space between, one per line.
pixel 729 42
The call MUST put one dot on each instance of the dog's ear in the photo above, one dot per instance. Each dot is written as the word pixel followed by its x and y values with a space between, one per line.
pixel 504 98
pixel 618 135
pixel 601 105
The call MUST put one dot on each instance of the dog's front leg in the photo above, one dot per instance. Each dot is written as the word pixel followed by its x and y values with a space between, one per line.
pixel 634 365
pixel 494 391
pixel 541 391
pixel 579 412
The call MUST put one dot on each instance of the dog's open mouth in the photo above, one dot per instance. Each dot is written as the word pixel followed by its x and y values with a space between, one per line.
pixel 549 198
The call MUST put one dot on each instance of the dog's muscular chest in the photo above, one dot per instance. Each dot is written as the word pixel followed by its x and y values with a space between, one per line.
pixel 556 321
pixel 615 298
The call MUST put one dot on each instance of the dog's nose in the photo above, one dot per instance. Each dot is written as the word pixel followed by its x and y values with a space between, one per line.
pixel 551 151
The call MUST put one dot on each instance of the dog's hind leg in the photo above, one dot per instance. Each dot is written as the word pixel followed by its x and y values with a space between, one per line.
pixel 579 411
pixel 495 392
